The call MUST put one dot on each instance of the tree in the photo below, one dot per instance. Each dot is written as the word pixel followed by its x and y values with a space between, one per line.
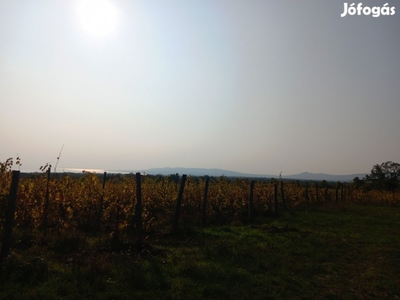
pixel 385 176
pixel 357 182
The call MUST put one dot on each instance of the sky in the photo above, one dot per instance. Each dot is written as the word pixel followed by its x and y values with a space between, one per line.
pixel 255 86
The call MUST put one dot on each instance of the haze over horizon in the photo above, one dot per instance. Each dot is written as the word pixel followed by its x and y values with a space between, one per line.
pixel 258 87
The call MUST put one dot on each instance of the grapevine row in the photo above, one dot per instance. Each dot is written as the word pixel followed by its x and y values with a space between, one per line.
pixel 90 204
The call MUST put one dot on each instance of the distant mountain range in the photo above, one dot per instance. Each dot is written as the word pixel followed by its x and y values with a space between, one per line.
pixel 227 173
pixel 323 176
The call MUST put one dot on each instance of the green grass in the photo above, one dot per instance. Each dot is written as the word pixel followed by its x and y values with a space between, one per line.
pixel 330 252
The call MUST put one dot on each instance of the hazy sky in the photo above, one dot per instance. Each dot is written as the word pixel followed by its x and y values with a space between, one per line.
pixel 251 86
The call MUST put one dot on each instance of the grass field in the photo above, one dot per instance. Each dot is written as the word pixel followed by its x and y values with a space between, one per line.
pixel 330 252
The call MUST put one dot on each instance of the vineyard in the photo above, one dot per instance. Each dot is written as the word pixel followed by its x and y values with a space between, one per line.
pixel 134 236
pixel 97 202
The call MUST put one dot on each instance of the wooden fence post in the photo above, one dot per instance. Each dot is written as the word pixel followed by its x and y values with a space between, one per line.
pixel 204 208
pixel 138 209
pixel 283 196
pixel 250 208
pixel 179 204
pixel 316 192
pixel 275 197
pixel 100 213
pixel 341 194
pixel 9 222
pixel 337 193
pixel 46 203
pixel 306 194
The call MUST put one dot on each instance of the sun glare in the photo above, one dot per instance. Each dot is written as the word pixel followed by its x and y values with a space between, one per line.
pixel 98 17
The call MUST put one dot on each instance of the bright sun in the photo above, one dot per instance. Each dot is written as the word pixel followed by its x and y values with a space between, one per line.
pixel 98 17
